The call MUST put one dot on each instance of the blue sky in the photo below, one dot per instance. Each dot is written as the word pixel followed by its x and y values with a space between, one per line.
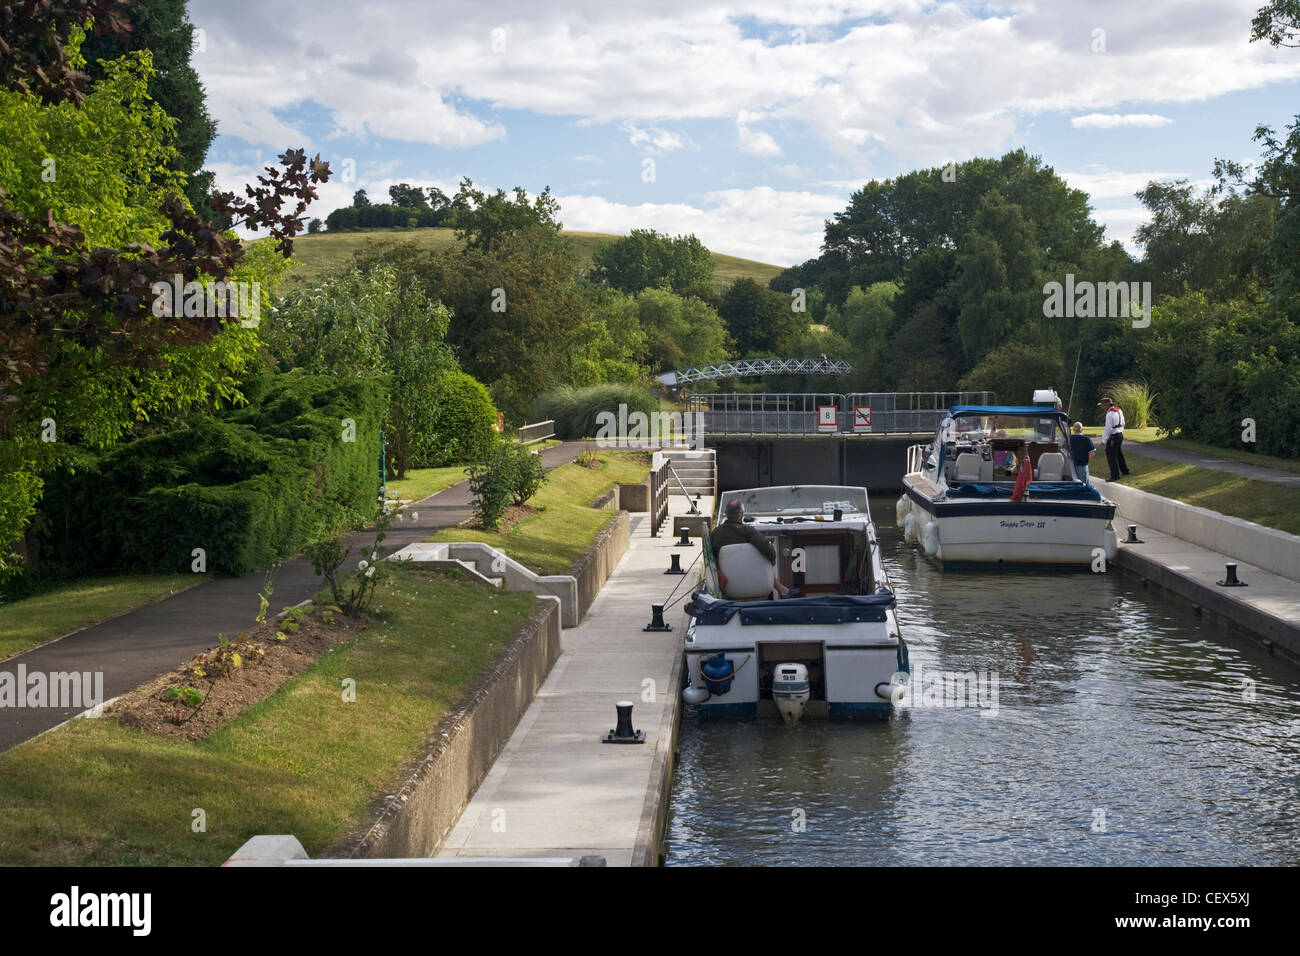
pixel 759 119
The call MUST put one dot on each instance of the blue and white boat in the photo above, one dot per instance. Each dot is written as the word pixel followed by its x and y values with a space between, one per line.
pixel 834 650
pixel 959 494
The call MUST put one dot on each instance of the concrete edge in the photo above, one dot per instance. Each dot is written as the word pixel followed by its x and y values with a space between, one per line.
pixel 597 563
pixel 654 812
pixel 388 816
pixel 1273 632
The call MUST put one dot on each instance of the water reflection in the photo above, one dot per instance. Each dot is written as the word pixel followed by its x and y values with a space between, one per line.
pixel 1128 732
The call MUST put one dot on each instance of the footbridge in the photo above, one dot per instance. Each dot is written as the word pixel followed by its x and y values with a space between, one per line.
pixel 749 368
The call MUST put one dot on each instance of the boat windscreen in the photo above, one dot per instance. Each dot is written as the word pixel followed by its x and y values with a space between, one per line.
pixel 800 499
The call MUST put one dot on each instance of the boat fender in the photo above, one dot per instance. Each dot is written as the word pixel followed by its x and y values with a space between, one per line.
pixel 930 538
pixel 909 529
pixel 1110 544
pixel 901 509
pixel 695 695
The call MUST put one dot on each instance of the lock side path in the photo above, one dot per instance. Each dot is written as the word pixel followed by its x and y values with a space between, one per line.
pixel 556 790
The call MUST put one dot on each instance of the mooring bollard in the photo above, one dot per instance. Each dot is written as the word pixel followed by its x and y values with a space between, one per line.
pixel 657 619
pixel 685 541
pixel 1230 579
pixel 1133 535
pixel 676 566
pixel 623 732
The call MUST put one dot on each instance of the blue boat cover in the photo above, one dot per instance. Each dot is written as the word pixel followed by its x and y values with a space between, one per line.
pixel 1037 411
pixel 1040 490
pixel 823 609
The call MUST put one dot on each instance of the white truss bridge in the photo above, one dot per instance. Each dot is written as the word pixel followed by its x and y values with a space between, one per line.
pixel 745 368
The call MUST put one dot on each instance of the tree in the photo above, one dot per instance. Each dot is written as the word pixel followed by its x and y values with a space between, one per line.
pixel 865 322
pixel 406 196
pixel 484 221
pixel 1013 371
pixel 366 325
pixel 680 331
pixel 1278 23
pixel 360 200
pixel 163 28
pixel 761 321
pixel 645 259
pixel 84 344
pixel 314 226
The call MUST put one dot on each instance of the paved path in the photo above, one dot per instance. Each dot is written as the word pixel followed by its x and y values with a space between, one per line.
pixel 556 790
pixel 140 645
pixel 1245 469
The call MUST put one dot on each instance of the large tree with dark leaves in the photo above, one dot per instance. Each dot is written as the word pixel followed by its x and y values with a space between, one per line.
pixel 163 28
pixel 91 217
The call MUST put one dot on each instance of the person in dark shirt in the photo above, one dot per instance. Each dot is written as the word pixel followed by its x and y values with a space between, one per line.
pixel 735 531
pixel 1081 451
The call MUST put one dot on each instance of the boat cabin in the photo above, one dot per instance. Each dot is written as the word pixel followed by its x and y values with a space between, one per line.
pixel 988 445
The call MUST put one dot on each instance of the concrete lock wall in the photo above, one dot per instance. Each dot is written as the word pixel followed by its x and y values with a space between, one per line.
pixel 1266 548
pixel 595 566
pixel 462 748
pixel 875 463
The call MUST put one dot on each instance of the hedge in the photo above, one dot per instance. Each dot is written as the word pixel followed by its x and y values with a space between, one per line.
pixel 575 410
pixel 248 487
pixel 460 425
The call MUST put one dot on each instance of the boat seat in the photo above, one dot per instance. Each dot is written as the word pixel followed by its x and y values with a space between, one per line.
pixel 968 467
pixel 750 576
pixel 1051 466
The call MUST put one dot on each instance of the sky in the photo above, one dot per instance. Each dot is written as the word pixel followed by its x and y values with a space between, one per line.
pixel 747 124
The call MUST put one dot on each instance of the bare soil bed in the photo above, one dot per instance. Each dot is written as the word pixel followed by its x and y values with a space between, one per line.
pixel 266 663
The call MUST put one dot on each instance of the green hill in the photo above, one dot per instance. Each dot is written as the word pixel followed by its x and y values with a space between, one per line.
pixel 324 253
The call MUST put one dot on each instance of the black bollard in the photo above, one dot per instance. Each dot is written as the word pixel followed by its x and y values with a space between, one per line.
pixel 1230 579
pixel 657 619
pixel 1133 535
pixel 676 566
pixel 685 541
pixel 837 514
pixel 623 732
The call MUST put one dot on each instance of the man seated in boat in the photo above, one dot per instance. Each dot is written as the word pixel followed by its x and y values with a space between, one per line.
pixel 735 531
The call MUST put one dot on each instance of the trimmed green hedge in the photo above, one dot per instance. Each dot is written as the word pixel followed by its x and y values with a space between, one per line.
pixel 248 487
pixel 460 423
pixel 575 409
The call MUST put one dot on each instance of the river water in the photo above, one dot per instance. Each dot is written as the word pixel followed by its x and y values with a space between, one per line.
pixel 1127 731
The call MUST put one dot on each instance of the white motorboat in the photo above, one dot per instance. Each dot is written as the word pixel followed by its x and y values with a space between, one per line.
pixel 832 648
pixel 997 486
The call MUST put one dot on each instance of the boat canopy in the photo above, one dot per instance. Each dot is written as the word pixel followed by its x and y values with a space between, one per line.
pixel 822 609
pixel 1056 490
pixel 800 499
pixel 1029 411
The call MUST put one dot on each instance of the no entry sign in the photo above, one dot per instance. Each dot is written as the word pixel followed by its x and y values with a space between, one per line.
pixel 861 418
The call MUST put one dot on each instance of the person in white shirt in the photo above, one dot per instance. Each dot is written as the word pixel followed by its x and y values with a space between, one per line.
pixel 1113 438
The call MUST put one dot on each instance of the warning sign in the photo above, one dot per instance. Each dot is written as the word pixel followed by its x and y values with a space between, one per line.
pixel 861 418
pixel 827 418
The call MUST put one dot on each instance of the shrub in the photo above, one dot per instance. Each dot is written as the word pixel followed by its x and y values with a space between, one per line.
pixel 249 487
pixel 490 483
pixel 457 423
pixel 1135 400
pixel 526 472
pixel 575 410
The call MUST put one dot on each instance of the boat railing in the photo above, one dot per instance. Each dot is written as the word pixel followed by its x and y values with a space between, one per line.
pixel 915 458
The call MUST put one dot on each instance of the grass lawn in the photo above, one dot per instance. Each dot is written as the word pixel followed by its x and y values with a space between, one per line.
pixel 421 482
pixel 1153 436
pixel 301 762
pixel 1274 506
pixel 35 620
pixel 316 256
pixel 549 542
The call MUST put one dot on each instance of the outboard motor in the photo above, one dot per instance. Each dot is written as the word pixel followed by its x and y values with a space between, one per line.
pixel 790 691
pixel 718 673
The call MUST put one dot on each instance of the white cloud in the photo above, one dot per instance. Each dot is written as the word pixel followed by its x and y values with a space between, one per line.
pixel 1116 120
pixel 757 143
pixel 761 223
pixel 654 139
